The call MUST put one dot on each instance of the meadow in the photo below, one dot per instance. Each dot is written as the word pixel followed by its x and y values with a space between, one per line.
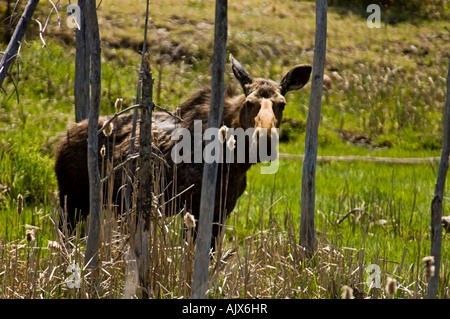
pixel 386 99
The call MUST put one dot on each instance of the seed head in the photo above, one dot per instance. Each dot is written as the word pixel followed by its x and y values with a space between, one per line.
pixel 30 235
pixel 231 144
pixel 118 104
pixel 53 245
pixel 108 129
pixel 223 134
pixel 446 223
pixel 19 204
pixel 103 151
pixel 189 220
pixel 347 292
pixel 391 287
pixel 428 264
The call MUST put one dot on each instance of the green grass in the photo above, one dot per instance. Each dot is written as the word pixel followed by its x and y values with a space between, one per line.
pixel 399 195
pixel 387 84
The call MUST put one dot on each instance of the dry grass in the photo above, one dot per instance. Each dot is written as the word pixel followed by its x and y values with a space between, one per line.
pixel 268 264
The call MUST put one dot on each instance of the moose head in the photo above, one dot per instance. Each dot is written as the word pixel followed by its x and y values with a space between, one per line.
pixel 264 99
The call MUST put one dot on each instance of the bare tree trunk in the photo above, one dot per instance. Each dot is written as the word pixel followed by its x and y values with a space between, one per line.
pixel 201 259
pixel 14 44
pixel 128 185
pixel 82 66
pixel 140 242
pixel 436 204
pixel 308 195
pixel 93 241
pixel 145 181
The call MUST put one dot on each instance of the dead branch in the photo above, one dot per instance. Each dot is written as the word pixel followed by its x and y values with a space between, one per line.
pixel 50 14
pixel 13 46
pixel 121 165
pixel 135 107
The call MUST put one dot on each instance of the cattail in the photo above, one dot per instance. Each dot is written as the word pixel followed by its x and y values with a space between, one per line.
pixel 18 247
pixel 428 263
pixel 326 82
pixel 391 287
pixel 347 292
pixel 189 220
pixel 103 151
pixel 118 104
pixel 223 134
pixel 446 223
pixel 108 129
pixel 19 204
pixel 231 143
pixel 53 245
pixel 30 235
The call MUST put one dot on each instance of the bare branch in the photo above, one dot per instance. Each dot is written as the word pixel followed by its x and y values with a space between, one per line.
pixel 116 115
pixel 16 39
pixel 121 165
pixel 12 13
pixel 48 18
pixel 42 37
pixel 15 89
pixel 168 112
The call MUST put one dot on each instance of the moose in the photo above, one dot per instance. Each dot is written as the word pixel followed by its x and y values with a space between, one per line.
pixel 260 107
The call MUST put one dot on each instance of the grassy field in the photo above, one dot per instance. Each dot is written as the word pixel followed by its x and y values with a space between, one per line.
pixel 386 99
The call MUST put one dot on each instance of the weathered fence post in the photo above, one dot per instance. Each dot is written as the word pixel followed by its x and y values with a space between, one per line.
pixel 130 168
pixel 307 227
pixel 14 44
pixel 145 181
pixel 201 259
pixel 82 66
pixel 93 241
pixel 145 173
pixel 436 204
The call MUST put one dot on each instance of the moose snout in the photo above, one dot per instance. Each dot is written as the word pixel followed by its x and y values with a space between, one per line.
pixel 266 119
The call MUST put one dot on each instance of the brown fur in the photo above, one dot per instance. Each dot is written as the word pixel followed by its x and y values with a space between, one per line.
pixel 238 111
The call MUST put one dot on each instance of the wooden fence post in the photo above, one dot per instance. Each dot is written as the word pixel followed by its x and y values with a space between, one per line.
pixel 307 227
pixel 145 174
pixel 145 182
pixel 201 259
pixel 93 241
pixel 436 204
pixel 82 66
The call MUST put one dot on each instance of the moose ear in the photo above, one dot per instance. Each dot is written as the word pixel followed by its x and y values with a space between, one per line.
pixel 239 72
pixel 296 78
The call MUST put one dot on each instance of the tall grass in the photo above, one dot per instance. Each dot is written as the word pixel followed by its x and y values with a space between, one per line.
pixel 259 257
pixel 387 84
pixel 266 264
